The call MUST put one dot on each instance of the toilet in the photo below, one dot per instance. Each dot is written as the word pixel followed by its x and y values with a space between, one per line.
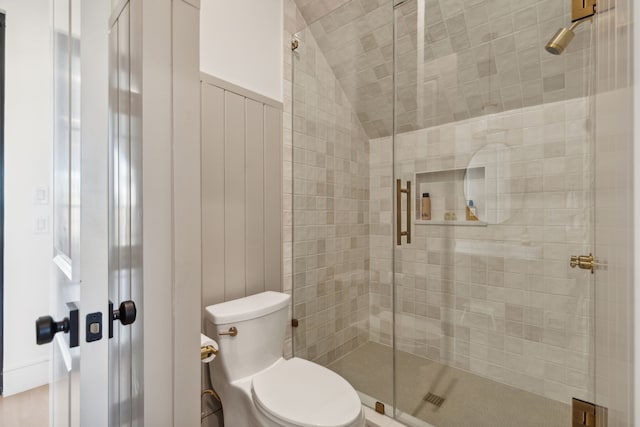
pixel 257 386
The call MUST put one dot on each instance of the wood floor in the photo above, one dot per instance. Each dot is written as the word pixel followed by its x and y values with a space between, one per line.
pixel 28 409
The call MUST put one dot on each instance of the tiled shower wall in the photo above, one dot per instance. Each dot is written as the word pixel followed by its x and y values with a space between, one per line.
pixel 475 52
pixel 499 300
pixel 330 169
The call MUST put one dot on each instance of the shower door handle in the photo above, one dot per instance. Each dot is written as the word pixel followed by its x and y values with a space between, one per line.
pixel 399 192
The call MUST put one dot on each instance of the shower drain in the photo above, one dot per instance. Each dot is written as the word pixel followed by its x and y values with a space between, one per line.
pixel 434 399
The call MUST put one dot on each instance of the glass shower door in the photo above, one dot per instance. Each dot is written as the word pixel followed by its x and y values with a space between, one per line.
pixel 342 237
pixel 492 167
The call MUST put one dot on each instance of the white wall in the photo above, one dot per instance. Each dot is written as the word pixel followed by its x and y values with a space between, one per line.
pixel 241 42
pixel 28 164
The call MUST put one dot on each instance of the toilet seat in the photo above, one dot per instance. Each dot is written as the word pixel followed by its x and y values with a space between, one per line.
pixel 300 393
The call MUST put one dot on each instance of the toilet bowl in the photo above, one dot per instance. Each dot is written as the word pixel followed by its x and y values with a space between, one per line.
pixel 257 386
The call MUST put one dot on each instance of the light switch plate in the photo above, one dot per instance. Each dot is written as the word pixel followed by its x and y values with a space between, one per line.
pixel 40 224
pixel 40 195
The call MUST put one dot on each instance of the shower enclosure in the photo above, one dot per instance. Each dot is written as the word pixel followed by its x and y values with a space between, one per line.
pixel 474 316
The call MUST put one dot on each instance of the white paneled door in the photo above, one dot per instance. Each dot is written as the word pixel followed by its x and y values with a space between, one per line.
pixel 86 329
pixel 97 325
pixel 125 218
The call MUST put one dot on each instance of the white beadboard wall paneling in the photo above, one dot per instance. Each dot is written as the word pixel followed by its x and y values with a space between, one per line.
pixel 241 191
pixel 273 198
pixel 234 201
pixel 239 90
pixel 254 196
pixel 213 206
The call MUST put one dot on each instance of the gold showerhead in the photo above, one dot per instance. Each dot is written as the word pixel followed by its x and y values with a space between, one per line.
pixel 562 38
pixel 560 41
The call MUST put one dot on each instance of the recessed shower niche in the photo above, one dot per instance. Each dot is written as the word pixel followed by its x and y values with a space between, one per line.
pixel 450 192
pixel 487 184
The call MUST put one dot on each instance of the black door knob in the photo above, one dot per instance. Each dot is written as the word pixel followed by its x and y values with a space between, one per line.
pixel 126 313
pixel 46 328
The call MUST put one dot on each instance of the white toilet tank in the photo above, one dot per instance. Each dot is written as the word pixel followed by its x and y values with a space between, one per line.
pixel 260 321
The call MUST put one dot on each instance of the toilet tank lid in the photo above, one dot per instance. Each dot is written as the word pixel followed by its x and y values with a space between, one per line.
pixel 247 308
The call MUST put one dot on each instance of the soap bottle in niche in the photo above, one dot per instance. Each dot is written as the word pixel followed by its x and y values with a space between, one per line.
pixel 471 211
pixel 426 207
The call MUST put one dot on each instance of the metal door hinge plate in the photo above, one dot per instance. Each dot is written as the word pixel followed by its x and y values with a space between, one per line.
pixel 585 262
pixel 587 414
pixel 581 9
pixel 74 329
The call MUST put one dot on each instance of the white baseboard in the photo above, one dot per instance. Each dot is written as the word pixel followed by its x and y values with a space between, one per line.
pixel 25 378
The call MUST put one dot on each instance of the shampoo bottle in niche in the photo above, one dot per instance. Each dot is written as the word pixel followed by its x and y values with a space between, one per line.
pixel 426 207
pixel 471 211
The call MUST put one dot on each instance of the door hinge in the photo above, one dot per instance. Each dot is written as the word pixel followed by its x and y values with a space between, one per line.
pixel 585 262
pixel 587 414
pixel 581 9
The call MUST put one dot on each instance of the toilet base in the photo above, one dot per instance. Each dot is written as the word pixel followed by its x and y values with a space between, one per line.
pixel 241 410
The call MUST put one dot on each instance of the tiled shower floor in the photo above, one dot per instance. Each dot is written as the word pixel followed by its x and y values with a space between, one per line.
pixel 470 400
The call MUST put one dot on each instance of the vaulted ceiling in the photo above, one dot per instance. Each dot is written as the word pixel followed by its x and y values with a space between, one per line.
pixel 455 59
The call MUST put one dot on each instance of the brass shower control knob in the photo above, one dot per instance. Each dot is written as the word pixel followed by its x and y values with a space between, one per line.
pixel 584 262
